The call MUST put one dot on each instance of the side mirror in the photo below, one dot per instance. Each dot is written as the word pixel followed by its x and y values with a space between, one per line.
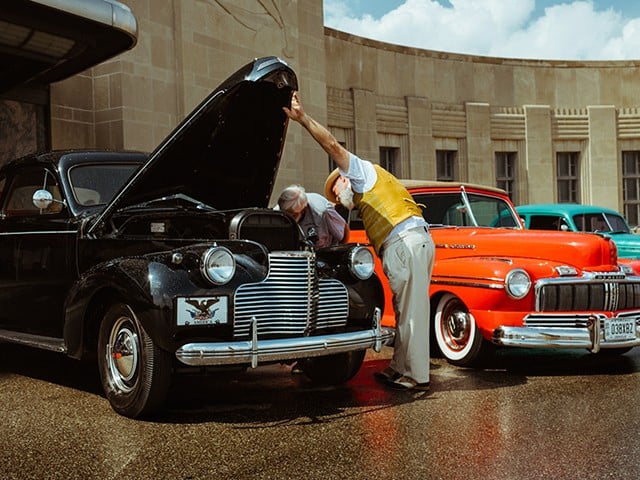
pixel 42 199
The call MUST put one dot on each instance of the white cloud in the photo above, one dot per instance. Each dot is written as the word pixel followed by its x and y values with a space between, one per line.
pixel 503 28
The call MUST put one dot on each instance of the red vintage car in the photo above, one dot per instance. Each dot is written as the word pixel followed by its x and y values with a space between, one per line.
pixel 496 284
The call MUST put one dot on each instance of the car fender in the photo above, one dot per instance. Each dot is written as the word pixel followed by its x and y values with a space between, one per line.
pixel 126 279
pixel 149 283
pixel 479 281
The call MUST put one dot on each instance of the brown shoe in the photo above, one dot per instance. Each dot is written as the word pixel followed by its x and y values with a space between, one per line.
pixel 406 383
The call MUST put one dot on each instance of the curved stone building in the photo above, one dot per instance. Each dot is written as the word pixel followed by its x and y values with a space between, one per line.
pixel 543 130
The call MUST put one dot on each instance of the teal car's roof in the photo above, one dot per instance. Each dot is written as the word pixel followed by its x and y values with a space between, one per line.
pixel 563 209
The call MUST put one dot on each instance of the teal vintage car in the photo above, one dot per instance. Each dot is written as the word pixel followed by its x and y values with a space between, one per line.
pixel 583 218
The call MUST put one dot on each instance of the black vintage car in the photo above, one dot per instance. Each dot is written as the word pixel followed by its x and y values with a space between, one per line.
pixel 173 259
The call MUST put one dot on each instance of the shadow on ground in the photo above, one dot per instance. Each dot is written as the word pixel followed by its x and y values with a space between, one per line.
pixel 273 395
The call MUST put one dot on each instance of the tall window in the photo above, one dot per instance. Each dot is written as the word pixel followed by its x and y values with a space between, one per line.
pixel 567 176
pixel 631 186
pixel 506 171
pixel 446 165
pixel 389 160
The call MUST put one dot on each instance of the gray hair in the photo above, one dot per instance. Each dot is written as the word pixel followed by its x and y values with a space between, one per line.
pixel 293 198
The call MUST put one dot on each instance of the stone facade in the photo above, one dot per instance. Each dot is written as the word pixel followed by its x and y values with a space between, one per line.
pixel 370 94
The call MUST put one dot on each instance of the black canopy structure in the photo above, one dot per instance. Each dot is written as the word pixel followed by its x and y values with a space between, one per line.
pixel 44 41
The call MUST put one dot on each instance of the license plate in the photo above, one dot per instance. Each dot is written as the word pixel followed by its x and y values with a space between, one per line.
pixel 617 329
pixel 202 311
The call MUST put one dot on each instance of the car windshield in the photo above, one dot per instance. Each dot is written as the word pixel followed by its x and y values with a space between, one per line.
pixel 466 209
pixel 600 222
pixel 97 184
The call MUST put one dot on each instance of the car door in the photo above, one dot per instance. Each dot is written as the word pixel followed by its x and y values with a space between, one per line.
pixel 37 263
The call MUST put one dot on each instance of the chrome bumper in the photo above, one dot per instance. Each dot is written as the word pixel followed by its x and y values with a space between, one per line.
pixel 591 337
pixel 256 351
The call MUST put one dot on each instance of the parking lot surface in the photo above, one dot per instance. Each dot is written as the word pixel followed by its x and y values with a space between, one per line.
pixel 532 414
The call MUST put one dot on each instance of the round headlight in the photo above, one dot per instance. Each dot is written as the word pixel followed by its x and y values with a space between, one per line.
pixel 517 283
pixel 218 265
pixel 361 262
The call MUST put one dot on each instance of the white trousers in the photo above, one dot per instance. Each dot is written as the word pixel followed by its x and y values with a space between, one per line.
pixel 407 261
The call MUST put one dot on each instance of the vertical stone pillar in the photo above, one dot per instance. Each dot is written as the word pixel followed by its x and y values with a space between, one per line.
pixel 422 158
pixel 539 162
pixel 600 182
pixel 364 113
pixel 480 156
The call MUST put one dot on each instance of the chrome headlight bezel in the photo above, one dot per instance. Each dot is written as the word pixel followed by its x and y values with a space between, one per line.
pixel 517 283
pixel 361 262
pixel 218 265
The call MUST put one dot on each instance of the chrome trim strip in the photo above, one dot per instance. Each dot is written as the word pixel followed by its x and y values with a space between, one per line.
pixel 39 232
pixel 553 337
pixel 377 325
pixel 254 352
pixel 596 334
pixel 490 286
pixel 53 344
pixel 535 337
pixel 588 278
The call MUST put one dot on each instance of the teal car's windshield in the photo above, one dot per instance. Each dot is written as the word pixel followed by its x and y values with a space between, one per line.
pixel 600 222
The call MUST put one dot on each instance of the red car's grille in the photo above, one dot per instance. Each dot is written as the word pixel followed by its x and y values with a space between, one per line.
pixel 605 296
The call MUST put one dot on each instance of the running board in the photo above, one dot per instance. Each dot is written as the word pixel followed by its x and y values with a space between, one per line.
pixel 37 341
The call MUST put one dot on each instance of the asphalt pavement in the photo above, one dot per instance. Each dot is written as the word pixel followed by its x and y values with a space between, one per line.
pixel 532 414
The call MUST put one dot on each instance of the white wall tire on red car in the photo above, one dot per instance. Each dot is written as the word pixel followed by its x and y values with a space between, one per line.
pixel 457 335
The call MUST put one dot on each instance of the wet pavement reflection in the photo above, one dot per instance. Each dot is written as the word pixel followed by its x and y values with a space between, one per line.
pixel 531 414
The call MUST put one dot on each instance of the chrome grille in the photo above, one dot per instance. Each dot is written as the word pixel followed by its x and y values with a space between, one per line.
pixel 291 301
pixel 592 295
pixel 557 320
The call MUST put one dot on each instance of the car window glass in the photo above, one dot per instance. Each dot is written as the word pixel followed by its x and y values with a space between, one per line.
pixel 546 222
pixel 591 222
pixel 440 209
pixel 355 220
pixel 449 209
pixel 24 185
pixel 617 223
pixel 98 184
pixel 491 212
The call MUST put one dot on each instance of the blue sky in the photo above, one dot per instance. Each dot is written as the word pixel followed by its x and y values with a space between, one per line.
pixel 546 29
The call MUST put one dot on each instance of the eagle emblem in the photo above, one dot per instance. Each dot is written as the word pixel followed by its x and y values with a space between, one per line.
pixel 203 308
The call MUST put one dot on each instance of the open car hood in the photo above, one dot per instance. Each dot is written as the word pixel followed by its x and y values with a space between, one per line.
pixel 227 151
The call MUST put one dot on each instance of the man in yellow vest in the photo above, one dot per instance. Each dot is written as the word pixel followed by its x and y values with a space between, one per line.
pixel 399 234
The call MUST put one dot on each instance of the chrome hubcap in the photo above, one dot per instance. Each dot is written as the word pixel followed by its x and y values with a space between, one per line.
pixel 123 354
pixel 457 329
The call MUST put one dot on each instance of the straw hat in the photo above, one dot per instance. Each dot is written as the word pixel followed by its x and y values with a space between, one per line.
pixel 328 186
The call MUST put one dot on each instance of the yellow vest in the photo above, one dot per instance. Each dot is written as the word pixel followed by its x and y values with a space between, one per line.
pixel 384 206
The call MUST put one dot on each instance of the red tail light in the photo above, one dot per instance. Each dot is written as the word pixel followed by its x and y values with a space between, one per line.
pixel 613 253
